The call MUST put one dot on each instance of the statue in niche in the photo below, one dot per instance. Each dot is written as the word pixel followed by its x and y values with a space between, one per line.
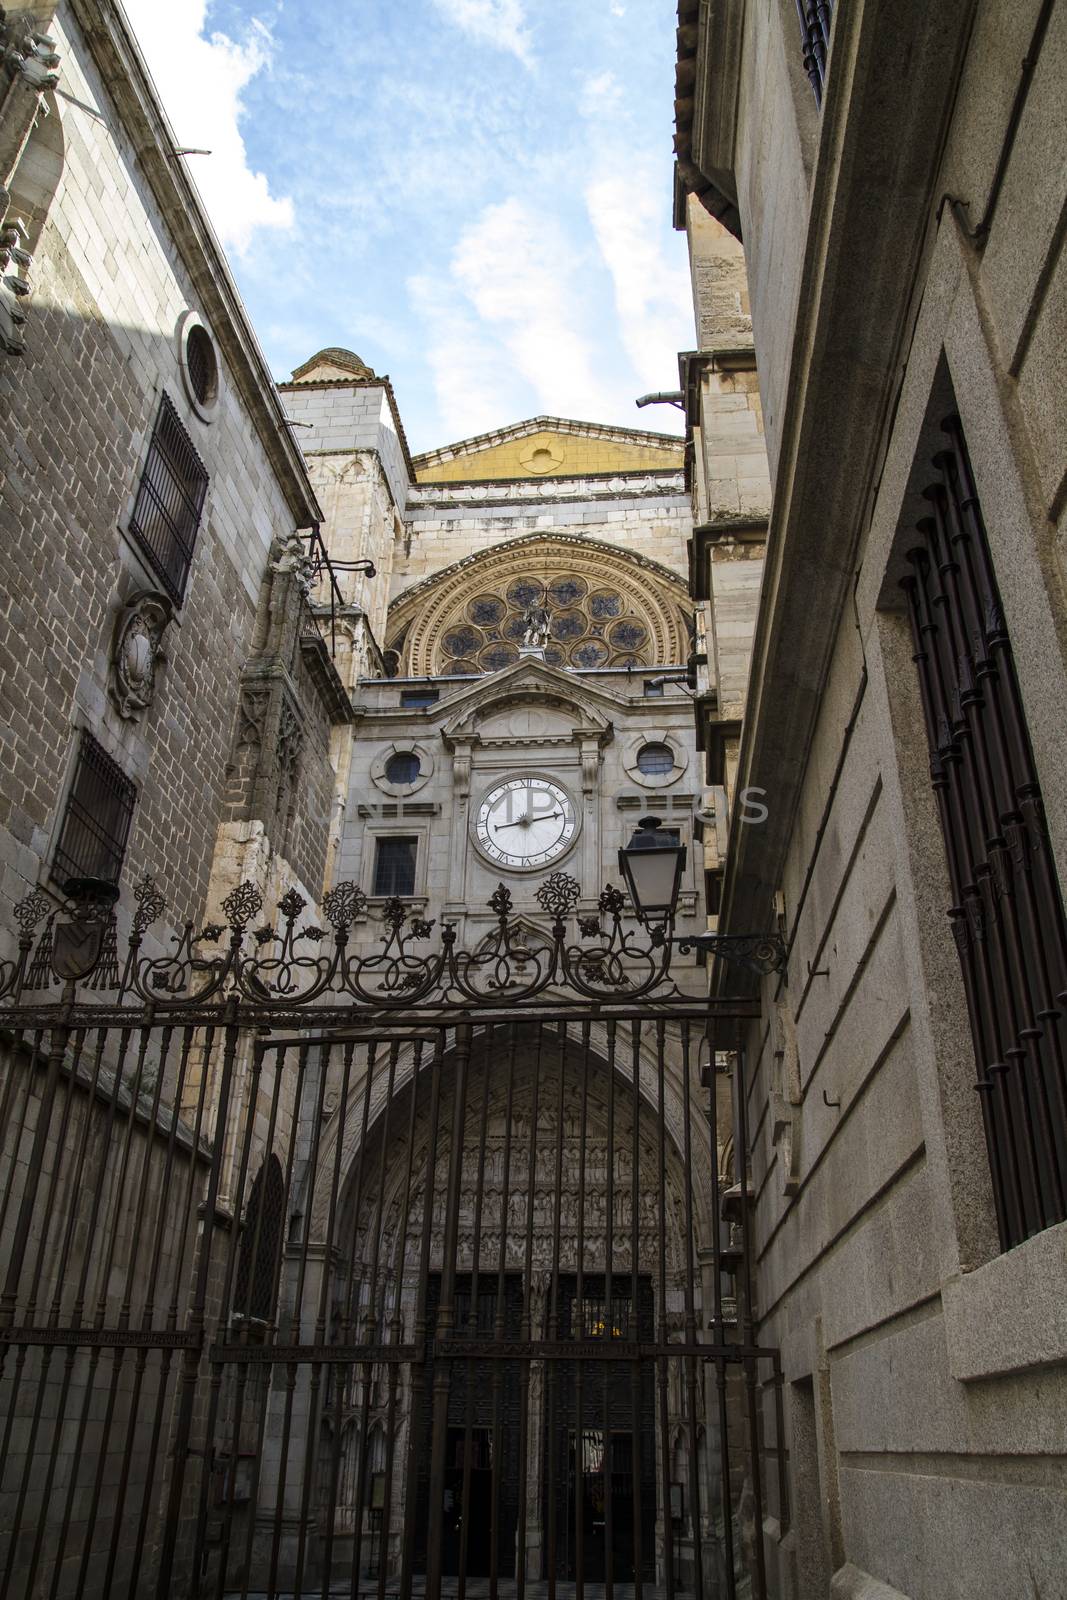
pixel 136 652
pixel 535 636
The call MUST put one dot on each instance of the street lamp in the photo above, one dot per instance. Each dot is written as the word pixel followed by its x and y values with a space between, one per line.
pixel 651 866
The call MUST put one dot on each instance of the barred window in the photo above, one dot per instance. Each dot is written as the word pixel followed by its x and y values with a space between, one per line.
pixel 1006 915
pixel 394 866
pixel 96 821
pixel 170 500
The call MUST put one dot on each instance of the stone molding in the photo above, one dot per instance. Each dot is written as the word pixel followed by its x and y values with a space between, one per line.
pixel 531 683
pixel 28 60
pixel 401 747
pixel 654 780
pixel 424 612
pixel 521 430
pixel 641 484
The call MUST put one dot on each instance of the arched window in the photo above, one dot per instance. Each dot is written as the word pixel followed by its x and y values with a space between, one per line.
pixel 261 1238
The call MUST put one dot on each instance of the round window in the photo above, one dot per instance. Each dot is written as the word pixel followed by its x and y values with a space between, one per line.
pixel 404 767
pixel 202 364
pixel 655 759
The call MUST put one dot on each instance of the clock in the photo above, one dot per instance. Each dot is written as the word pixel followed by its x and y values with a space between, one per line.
pixel 525 822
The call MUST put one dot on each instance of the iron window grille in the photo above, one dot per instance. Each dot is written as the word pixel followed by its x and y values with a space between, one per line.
pixel 97 818
pixel 170 500
pixel 1007 913
pixel 394 866
pixel 815 17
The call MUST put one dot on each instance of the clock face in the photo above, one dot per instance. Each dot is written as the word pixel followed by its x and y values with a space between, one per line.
pixel 526 822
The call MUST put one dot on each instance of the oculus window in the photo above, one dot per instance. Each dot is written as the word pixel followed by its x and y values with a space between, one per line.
pixel 655 759
pixel 404 767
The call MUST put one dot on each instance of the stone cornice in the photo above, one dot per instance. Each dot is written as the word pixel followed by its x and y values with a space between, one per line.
pixel 740 530
pixel 522 430
pixel 121 66
pixel 709 46
pixel 529 680
pixel 692 365
pixel 561 490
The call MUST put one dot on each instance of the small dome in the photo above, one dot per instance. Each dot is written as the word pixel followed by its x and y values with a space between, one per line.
pixel 336 362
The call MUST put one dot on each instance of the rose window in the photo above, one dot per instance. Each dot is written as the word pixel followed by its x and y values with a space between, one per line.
pixel 587 627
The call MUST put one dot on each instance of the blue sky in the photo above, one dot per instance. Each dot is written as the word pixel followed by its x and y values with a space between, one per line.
pixel 474 195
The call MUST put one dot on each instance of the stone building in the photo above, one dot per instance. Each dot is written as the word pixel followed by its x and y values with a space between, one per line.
pixel 285 688
pixel 522 703
pixel 894 172
pixel 169 697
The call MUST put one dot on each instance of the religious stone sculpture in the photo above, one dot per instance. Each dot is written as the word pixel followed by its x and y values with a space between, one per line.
pixel 535 636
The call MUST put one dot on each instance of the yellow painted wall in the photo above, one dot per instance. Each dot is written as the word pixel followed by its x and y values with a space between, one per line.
pixel 568 455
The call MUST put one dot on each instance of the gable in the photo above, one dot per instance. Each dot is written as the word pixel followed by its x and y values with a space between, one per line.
pixel 547 448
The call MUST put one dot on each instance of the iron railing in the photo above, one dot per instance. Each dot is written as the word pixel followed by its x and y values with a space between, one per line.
pixel 816 18
pixel 371 1276
pixel 1007 911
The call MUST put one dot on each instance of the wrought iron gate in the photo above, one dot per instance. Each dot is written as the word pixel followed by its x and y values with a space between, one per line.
pixel 415 1302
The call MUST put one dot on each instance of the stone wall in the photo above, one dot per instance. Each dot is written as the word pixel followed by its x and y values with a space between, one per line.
pixel 111 295
pixel 646 515
pixel 926 1371
pixel 528 718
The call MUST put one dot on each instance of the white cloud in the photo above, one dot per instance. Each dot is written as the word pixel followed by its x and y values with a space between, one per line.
pixel 512 265
pixel 501 23
pixel 200 81
pixel 652 294
pixel 601 95
pixel 466 366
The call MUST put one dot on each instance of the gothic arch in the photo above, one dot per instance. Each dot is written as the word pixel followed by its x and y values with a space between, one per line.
pixel 375 1222
pixel 261 1240
pixel 606 607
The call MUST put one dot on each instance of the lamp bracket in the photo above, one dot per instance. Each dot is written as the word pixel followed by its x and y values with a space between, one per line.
pixel 761 953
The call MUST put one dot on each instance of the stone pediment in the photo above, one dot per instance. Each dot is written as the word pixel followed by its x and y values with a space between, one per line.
pixel 586 713
pixel 546 447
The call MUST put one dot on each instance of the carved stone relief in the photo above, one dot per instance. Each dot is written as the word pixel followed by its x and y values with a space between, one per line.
pixel 136 652
pixel 289 748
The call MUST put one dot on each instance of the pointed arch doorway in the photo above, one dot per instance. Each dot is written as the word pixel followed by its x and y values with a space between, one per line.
pixel 513 1220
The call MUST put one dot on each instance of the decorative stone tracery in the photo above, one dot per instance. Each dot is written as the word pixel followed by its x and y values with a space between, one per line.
pixel 598 607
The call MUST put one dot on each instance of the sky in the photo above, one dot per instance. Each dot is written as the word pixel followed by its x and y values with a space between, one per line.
pixel 473 195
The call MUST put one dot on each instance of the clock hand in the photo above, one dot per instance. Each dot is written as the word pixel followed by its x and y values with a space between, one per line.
pixel 499 826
